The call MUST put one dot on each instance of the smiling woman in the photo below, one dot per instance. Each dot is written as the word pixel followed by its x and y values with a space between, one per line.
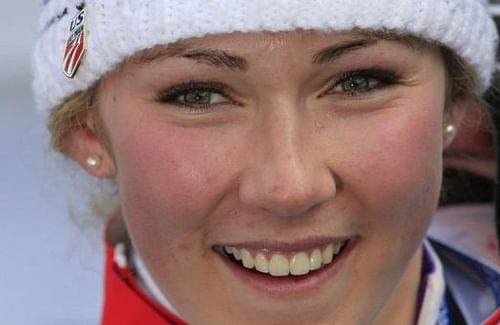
pixel 276 171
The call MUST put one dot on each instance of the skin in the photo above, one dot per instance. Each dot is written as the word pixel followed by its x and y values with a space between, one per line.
pixel 286 155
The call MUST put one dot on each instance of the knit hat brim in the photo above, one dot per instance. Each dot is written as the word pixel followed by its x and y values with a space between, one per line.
pixel 119 29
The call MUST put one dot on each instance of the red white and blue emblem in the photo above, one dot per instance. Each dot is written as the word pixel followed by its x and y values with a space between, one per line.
pixel 75 46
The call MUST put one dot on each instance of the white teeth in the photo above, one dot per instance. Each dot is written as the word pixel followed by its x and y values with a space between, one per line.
pixel 300 263
pixel 328 254
pixel 247 259
pixel 261 263
pixel 316 259
pixel 237 254
pixel 336 248
pixel 279 265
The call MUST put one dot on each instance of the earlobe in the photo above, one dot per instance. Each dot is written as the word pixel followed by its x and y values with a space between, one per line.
pixel 99 165
pixel 83 146
pixel 449 133
pixel 452 120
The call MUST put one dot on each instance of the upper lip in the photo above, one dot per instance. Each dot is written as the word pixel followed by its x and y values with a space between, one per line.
pixel 282 246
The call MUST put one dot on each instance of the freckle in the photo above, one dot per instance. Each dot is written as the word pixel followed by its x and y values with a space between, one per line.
pixel 234 213
pixel 319 126
pixel 114 99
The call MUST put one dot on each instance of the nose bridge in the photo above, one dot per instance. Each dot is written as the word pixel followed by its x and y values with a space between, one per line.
pixel 282 141
pixel 284 164
pixel 286 178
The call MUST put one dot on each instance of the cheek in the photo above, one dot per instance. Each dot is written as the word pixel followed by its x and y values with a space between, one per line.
pixel 168 177
pixel 399 168
pixel 166 173
pixel 392 182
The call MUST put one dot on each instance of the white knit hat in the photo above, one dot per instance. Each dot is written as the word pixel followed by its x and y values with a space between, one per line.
pixel 116 29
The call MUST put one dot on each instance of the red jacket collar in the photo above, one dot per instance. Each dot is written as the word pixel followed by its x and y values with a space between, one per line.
pixel 124 301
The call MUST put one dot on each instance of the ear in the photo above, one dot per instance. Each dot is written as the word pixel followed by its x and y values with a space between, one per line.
pixel 84 147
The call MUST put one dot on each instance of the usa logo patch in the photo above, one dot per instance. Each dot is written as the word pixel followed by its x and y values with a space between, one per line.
pixel 75 45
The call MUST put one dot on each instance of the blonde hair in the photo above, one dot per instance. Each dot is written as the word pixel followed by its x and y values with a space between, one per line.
pixel 71 115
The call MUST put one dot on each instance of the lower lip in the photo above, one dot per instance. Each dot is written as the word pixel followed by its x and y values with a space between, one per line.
pixel 288 286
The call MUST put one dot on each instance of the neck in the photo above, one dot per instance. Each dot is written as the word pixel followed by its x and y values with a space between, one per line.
pixel 401 308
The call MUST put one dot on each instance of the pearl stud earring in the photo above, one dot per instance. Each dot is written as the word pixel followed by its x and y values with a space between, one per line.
pixel 450 130
pixel 93 161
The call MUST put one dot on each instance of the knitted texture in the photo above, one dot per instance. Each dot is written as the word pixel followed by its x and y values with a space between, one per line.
pixel 117 29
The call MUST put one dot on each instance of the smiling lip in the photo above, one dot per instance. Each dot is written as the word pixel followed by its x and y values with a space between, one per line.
pixel 279 246
pixel 282 280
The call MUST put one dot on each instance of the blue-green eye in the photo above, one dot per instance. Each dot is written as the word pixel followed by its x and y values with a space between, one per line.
pixel 359 82
pixel 194 95
pixel 200 97
pixel 203 97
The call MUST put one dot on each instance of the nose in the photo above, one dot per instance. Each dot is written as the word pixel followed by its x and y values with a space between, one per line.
pixel 286 176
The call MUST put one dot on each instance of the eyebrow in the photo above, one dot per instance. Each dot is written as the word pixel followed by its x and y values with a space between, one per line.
pixel 332 53
pixel 214 57
pixel 221 58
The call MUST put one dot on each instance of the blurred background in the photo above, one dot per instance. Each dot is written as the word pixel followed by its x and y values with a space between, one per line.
pixel 50 266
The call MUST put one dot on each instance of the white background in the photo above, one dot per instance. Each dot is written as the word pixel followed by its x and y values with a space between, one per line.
pixel 50 269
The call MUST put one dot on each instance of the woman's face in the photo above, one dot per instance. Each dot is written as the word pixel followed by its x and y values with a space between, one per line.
pixel 281 148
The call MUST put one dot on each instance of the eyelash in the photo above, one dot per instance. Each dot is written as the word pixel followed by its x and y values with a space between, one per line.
pixel 383 78
pixel 172 95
